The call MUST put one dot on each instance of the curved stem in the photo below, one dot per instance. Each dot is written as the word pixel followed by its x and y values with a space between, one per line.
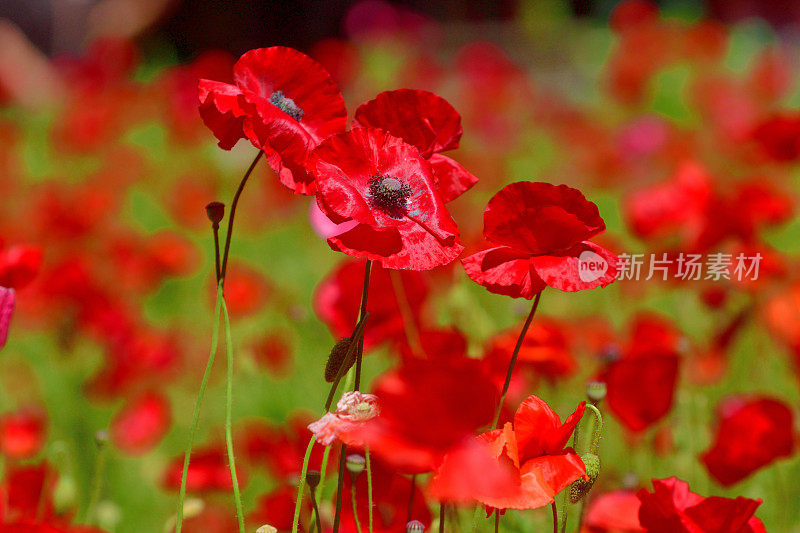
pixel 597 432
pixel 302 487
pixel 229 416
pixel 369 486
pixel 323 471
pixel 355 507
pixel 362 313
pixel 235 202
pixel 317 519
pixel 514 355
pixel 358 333
pixel 196 412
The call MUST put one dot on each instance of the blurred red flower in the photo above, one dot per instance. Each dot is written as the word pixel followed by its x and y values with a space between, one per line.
pixel 276 508
pixel 534 447
pixel 19 265
pixel 208 471
pixel 427 121
pixel 7 303
pixel 22 434
pixel 542 233
pixel 752 432
pixel 778 137
pixel 616 511
pixel 384 184
pixel 283 101
pixel 141 423
pixel 673 508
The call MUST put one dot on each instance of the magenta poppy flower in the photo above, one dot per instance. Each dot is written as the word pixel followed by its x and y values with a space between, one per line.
pixel 283 101
pixel 752 433
pixel 427 121
pixel 541 232
pixel 384 184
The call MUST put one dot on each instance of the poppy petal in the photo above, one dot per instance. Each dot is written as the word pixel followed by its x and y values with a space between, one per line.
pixel 585 266
pixel 222 110
pixel 502 271
pixel 453 179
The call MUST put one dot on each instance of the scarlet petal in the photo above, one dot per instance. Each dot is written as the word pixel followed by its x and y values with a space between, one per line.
pixel 558 470
pixel 586 266
pixel 454 180
pixel 540 217
pixel 421 118
pixel 222 111
pixel 470 472
pixel 502 271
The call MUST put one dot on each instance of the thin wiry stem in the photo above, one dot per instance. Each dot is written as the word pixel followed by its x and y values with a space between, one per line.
pixel 337 516
pixel 196 412
pixel 555 517
pixel 235 202
pixel 369 487
pixel 237 498
pixel 362 313
pixel 355 507
pixel 302 487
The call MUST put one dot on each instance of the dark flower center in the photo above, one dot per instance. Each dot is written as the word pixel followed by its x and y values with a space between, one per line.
pixel 286 104
pixel 389 194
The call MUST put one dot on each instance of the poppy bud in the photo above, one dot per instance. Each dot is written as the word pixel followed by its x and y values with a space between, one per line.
pixel 355 465
pixel 596 391
pixel 266 528
pixel 101 438
pixel 336 359
pixel 313 478
pixel 580 488
pixel 415 526
pixel 215 212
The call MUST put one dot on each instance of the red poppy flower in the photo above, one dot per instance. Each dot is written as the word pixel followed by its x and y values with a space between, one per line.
pixel 22 434
pixel 541 232
pixel 641 380
pixel 7 301
pixel 141 424
pixel 273 352
pixel 376 179
pixel 427 408
pixel 352 410
pixel 19 265
pixel 673 508
pixel 337 301
pixel 283 101
pixel 752 433
pixel 208 471
pixel 614 512
pixel 426 121
pixel 28 494
pixel 534 447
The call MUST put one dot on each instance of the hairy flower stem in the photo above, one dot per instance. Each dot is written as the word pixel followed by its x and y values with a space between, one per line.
pixel 514 355
pixel 355 507
pixel 369 486
pixel 594 447
pixel 302 487
pixel 196 412
pixel 229 415
pixel 235 202
pixel 361 314
pixel 323 470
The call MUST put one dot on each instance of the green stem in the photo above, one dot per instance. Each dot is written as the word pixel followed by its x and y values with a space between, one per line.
pixel 597 432
pixel 229 416
pixel 514 355
pixel 355 507
pixel 369 487
pixel 97 484
pixel 196 412
pixel 302 487
pixel 323 469
pixel 497 521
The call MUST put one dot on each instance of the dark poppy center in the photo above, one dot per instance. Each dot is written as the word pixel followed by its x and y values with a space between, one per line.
pixel 286 104
pixel 389 194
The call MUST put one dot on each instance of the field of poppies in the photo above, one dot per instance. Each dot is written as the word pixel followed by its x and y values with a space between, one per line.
pixel 407 281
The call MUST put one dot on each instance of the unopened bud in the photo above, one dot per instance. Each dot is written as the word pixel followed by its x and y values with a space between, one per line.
pixel 336 359
pixel 313 478
pixel 355 464
pixel 415 526
pixel 266 528
pixel 101 438
pixel 596 391
pixel 215 212
pixel 580 488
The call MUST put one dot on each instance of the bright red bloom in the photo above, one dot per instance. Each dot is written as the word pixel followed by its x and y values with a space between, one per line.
pixel 673 508
pixel 22 434
pixel 427 121
pixel 614 512
pixel 535 448
pixel 641 381
pixel 337 301
pixel 752 433
pixel 376 179
pixel 427 408
pixel 141 424
pixel 541 232
pixel 283 101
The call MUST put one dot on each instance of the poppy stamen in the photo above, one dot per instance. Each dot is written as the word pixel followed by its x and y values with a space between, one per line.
pixel 286 104
pixel 389 194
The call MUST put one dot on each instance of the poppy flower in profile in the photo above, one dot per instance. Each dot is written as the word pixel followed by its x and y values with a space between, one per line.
pixel 370 176
pixel 283 101
pixel 534 446
pixel 141 424
pixel 427 121
pixel 752 433
pixel 673 508
pixel 540 232
pixel 352 410
pixel 22 434
pixel 641 380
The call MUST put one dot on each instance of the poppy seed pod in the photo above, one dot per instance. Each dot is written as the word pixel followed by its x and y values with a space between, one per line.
pixel 336 359
pixel 415 526
pixel 355 464
pixel 215 212
pixel 596 391
pixel 266 528
pixel 313 478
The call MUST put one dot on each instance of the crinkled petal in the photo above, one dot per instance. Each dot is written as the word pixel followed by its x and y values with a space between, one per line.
pixel 222 110
pixel 585 266
pixel 558 470
pixel 503 271
pixel 452 179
